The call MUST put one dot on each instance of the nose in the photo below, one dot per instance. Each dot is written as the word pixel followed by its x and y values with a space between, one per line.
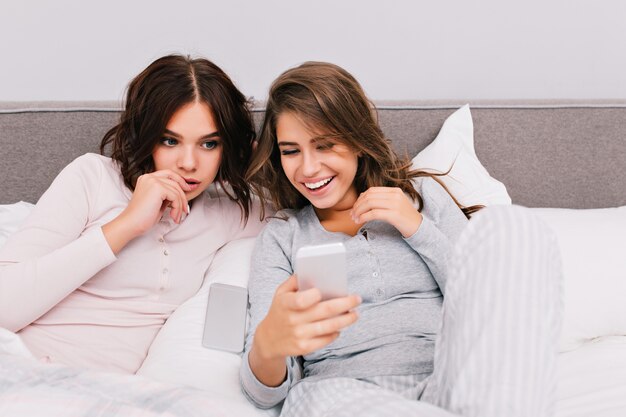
pixel 310 164
pixel 187 160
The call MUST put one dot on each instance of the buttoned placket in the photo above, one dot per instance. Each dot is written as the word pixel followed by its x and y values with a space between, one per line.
pixel 164 257
pixel 365 236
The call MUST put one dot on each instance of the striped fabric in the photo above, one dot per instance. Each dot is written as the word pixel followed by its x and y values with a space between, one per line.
pixel 496 352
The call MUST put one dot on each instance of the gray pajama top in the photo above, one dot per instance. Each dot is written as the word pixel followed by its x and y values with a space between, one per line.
pixel 401 282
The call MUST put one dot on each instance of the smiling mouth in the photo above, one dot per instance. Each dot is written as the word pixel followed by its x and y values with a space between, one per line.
pixel 314 186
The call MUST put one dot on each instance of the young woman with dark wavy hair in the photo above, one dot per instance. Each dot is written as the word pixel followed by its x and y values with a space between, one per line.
pixel 445 316
pixel 117 243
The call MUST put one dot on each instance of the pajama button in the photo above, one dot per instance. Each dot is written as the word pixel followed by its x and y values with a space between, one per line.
pixel 161 240
pixel 165 252
pixel 375 274
pixel 379 292
pixel 165 271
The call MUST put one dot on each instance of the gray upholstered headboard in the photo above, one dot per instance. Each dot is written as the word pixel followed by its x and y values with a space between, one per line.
pixel 560 154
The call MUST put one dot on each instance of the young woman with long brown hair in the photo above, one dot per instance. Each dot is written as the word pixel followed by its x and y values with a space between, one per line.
pixel 389 348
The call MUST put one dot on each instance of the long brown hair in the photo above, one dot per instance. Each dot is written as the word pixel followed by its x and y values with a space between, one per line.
pixel 326 97
pixel 157 93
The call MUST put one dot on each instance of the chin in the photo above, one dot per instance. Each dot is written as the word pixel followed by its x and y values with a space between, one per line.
pixel 323 204
pixel 193 196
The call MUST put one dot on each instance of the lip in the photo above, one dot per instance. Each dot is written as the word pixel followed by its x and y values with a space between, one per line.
pixel 319 191
pixel 318 179
pixel 192 183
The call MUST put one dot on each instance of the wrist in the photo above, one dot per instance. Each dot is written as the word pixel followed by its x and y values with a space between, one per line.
pixel 413 227
pixel 269 370
pixel 262 350
pixel 118 232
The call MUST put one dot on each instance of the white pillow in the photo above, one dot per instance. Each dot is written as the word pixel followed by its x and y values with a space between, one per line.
pixel 11 216
pixel 453 149
pixel 177 355
pixel 593 251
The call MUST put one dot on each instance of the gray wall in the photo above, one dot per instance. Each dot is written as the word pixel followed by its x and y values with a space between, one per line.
pixel 492 49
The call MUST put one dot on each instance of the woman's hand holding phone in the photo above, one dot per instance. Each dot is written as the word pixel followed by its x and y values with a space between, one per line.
pixel 297 323
pixel 388 204
pixel 154 192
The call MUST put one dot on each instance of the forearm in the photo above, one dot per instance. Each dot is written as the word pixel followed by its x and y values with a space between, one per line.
pixel 264 396
pixel 269 371
pixel 119 232
pixel 28 289
pixel 266 378
pixel 434 248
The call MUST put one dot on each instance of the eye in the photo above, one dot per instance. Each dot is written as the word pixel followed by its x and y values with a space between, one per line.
pixel 210 144
pixel 169 141
pixel 289 152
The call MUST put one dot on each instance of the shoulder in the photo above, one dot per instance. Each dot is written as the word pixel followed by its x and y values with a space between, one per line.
pixel 281 223
pixel 428 185
pixel 432 192
pixel 91 164
pixel 439 205
pixel 86 170
pixel 102 173
pixel 282 227
pixel 215 200
pixel 218 208
pixel 95 160
pixel 274 247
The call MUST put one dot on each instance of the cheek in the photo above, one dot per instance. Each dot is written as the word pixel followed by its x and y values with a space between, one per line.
pixel 289 168
pixel 160 158
pixel 213 161
pixel 218 161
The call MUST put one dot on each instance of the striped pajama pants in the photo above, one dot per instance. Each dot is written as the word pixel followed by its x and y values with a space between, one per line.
pixel 495 355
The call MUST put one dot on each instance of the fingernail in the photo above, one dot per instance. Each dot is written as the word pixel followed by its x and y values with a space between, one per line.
pixel 188 208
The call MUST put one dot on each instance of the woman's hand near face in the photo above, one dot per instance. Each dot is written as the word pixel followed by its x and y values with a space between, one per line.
pixel 390 205
pixel 297 323
pixel 154 192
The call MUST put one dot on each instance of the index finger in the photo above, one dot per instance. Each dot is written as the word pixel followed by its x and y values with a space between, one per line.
pixel 375 191
pixel 303 300
pixel 387 189
pixel 171 175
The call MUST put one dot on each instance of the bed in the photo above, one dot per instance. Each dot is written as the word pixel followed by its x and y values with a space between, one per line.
pixel 564 159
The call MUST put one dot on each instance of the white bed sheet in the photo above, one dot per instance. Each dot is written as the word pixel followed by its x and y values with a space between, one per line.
pixel 592 379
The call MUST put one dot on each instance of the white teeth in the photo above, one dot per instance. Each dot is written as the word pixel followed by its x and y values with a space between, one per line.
pixel 316 185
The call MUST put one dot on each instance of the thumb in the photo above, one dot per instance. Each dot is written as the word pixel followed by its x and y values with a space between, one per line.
pixel 289 285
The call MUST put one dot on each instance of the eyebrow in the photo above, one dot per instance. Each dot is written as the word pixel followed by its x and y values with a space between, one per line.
pixel 214 135
pixel 316 139
pixel 284 143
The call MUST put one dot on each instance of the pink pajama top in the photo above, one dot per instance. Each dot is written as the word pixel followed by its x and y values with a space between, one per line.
pixel 73 301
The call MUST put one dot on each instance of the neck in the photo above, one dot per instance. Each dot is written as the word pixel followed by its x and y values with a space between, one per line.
pixel 337 218
pixel 333 214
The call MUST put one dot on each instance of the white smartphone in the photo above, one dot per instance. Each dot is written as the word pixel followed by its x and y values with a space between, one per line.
pixel 323 267
pixel 225 323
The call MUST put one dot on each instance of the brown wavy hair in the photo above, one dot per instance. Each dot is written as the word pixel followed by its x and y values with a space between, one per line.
pixel 157 93
pixel 327 98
